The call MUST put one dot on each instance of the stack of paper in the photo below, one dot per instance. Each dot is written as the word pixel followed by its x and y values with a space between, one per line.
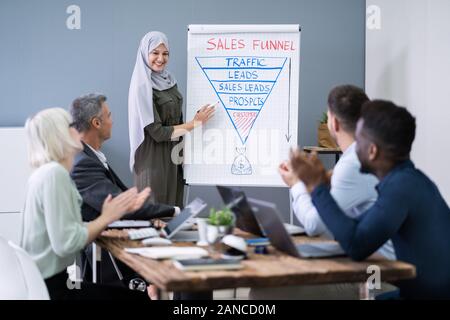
pixel 165 252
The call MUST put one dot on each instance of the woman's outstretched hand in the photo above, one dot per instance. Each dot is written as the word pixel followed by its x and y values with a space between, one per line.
pixel 203 115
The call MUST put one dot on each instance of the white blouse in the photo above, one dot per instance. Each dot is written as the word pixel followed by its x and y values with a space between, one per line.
pixel 52 228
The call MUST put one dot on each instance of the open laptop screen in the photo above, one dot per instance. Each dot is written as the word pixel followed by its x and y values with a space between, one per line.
pixel 190 211
pixel 229 194
pixel 245 219
pixel 269 219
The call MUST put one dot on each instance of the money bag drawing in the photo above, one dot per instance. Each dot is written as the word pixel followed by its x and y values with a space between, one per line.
pixel 241 165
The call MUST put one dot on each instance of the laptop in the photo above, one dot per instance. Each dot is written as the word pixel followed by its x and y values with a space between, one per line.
pixel 229 194
pixel 173 230
pixel 269 218
pixel 236 200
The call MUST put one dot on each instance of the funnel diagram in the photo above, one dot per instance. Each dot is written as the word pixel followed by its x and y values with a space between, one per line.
pixel 243 85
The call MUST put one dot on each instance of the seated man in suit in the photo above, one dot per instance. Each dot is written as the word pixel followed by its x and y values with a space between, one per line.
pixel 94 177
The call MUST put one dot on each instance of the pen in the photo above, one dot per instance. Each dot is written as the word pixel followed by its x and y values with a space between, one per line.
pixel 211 105
pixel 214 104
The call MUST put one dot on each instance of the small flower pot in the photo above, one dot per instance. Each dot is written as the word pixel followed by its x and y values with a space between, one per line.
pixel 324 137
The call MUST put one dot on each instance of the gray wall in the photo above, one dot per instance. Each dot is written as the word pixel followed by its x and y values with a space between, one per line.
pixel 408 63
pixel 43 64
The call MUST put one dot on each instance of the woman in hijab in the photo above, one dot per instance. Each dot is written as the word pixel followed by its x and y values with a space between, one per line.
pixel 156 122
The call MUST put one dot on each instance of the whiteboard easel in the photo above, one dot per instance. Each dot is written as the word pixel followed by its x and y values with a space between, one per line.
pixel 253 71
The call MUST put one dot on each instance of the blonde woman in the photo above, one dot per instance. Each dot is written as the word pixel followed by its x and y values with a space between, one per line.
pixel 52 229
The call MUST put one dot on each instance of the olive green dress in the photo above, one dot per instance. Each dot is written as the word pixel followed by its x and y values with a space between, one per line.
pixel 153 164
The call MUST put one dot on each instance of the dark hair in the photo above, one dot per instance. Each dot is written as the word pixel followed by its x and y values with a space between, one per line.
pixel 345 103
pixel 391 127
pixel 84 108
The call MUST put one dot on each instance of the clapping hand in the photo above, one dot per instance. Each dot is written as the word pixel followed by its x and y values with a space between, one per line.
pixel 158 224
pixel 140 200
pixel 287 174
pixel 115 208
pixel 308 168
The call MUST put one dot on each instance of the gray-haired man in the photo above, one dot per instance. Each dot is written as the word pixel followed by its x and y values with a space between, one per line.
pixel 92 173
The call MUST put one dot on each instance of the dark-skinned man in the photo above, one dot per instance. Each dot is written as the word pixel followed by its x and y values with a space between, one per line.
pixel 409 210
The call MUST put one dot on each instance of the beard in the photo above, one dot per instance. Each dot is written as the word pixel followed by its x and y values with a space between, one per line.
pixel 365 168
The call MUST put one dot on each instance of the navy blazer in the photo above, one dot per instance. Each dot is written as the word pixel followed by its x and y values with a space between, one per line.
pixel 95 182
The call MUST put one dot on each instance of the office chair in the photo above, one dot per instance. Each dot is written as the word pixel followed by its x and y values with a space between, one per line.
pixel 20 277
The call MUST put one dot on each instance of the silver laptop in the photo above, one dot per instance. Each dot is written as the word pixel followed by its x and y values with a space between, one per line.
pixel 269 219
pixel 174 229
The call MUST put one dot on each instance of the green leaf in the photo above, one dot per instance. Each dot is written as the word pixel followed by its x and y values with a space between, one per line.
pixel 324 118
pixel 222 217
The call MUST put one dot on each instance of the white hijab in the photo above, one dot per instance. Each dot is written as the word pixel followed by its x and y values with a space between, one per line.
pixel 140 95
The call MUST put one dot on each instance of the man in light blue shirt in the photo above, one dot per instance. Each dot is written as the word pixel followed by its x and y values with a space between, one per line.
pixel 352 190
pixel 410 210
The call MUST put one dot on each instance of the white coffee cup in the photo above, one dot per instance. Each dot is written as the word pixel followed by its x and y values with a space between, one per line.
pixel 202 227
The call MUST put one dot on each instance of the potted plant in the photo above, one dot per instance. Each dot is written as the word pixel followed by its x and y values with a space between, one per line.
pixel 220 223
pixel 325 140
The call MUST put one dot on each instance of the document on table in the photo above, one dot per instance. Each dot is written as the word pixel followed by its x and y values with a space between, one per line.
pixel 169 252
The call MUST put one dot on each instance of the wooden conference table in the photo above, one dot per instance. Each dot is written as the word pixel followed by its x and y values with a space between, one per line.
pixel 260 270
